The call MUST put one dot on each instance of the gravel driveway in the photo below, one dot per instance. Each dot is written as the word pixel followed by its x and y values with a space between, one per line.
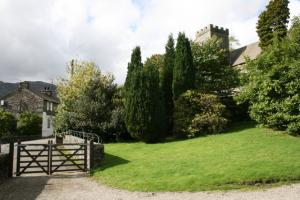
pixel 71 186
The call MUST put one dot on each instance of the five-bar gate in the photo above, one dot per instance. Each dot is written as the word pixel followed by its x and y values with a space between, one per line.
pixel 50 158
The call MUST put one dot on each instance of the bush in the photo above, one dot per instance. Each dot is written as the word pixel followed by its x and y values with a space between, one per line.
pixel 197 114
pixel 29 124
pixel 273 86
pixel 8 124
pixel 117 125
pixel 235 112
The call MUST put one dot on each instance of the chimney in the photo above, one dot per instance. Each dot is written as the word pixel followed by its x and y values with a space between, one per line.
pixel 24 85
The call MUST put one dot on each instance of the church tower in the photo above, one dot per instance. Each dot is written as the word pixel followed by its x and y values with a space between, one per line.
pixel 213 31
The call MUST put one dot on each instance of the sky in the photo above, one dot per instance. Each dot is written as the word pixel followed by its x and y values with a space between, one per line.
pixel 39 38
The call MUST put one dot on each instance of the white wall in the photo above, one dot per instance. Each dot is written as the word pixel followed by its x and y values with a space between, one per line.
pixel 45 130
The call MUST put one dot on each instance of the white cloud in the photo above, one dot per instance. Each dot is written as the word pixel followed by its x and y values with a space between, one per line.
pixel 38 38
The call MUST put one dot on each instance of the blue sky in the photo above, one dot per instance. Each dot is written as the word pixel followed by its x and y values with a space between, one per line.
pixel 38 38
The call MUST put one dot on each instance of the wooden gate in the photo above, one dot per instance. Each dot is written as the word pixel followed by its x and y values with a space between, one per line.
pixel 50 158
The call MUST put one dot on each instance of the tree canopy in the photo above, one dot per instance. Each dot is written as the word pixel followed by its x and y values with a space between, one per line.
pixel 184 70
pixel 273 22
pixel 143 105
pixel 167 80
pixel 86 100
pixel 273 85
pixel 213 74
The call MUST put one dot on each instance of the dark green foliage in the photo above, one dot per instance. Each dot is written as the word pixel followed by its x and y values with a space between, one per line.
pixel 184 70
pixel 213 74
pixel 167 80
pixel 280 14
pixel 273 22
pixel 135 64
pixel 198 114
pixel 92 111
pixel 143 106
pixel 8 124
pixel 273 86
pixel 264 30
pixel 133 91
pixel 235 112
pixel 158 61
pixel 154 113
pixel 29 124
pixel 117 124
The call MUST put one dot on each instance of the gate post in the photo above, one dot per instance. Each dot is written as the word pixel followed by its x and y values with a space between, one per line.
pixel 91 154
pixel 49 157
pixel 18 158
pixel 85 154
pixel 11 159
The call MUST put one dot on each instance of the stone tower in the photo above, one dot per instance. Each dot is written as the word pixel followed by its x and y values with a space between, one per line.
pixel 213 31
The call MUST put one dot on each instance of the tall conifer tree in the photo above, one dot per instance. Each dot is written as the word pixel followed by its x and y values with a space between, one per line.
pixel 151 105
pixel 167 80
pixel 143 106
pixel 273 22
pixel 131 93
pixel 135 64
pixel 184 70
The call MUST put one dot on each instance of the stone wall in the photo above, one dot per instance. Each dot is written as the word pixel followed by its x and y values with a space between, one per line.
pixel 98 155
pixel 25 99
pixel 4 167
pixel 213 31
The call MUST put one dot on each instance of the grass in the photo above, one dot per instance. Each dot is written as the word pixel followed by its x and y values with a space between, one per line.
pixel 244 157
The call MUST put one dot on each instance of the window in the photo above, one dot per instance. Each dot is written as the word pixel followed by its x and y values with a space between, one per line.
pixel 48 105
pixel 2 103
pixel 51 106
pixel 48 123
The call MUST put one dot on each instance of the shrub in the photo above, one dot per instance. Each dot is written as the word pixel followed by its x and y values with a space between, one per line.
pixel 235 112
pixel 117 125
pixel 273 86
pixel 8 124
pixel 29 124
pixel 196 114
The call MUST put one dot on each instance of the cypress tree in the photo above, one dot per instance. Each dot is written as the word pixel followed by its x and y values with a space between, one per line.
pixel 151 123
pixel 143 106
pixel 167 80
pixel 135 63
pixel 131 94
pixel 184 70
pixel 273 22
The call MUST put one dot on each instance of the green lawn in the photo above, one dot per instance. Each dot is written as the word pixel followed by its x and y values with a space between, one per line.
pixel 243 157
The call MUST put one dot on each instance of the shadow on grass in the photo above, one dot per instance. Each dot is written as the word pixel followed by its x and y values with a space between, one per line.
pixel 234 127
pixel 240 126
pixel 111 161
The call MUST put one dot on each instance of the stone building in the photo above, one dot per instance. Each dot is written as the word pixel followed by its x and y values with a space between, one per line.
pixel 236 57
pixel 25 99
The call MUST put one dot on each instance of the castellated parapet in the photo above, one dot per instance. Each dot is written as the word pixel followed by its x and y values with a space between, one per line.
pixel 213 31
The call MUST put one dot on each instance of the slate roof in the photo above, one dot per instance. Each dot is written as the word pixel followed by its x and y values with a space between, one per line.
pixel 38 93
pixel 237 56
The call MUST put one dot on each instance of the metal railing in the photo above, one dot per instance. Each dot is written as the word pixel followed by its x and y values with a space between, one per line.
pixel 82 135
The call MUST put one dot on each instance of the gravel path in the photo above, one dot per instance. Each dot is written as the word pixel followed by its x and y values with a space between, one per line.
pixel 77 186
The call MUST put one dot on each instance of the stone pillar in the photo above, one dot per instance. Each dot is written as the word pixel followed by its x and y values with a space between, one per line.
pixel 98 154
pixel 4 167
